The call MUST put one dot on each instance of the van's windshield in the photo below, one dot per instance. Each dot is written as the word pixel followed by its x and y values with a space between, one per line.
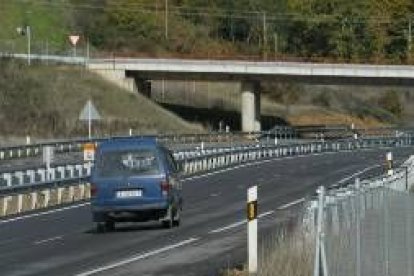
pixel 127 163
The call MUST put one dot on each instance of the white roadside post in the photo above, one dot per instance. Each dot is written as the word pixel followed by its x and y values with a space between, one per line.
pixel 252 228
pixel 48 156
pixel 390 170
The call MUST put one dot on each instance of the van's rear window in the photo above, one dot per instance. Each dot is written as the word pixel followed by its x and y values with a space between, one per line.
pixel 127 163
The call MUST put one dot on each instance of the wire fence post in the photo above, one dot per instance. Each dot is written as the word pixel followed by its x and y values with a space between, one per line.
pixel 409 221
pixel 358 226
pixel 386 231
pixel 320 265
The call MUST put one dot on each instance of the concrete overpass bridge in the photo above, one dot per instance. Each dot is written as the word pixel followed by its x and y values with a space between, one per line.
pixel 135 74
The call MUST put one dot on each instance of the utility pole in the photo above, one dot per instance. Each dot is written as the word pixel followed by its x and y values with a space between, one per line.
pixel 29 44
pixel 166 19
pixel 409 38
pixel 275 39
pixel 264 36
pixel 26 30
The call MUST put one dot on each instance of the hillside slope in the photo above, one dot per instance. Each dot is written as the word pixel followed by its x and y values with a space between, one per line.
pixel 46 101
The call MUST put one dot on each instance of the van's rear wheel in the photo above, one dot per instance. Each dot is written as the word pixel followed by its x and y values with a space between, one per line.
pixel 102 227
pixel 110 225
pixel 177 218
pixel 168 221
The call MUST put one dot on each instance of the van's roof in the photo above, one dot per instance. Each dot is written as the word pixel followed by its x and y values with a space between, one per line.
pixel 128 143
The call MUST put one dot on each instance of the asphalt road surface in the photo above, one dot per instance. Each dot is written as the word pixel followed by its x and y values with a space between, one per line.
pixel 212 235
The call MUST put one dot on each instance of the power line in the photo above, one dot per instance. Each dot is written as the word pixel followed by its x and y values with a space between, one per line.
pixel 217 13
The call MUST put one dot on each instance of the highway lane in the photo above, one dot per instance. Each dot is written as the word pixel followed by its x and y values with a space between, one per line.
pixel 212 235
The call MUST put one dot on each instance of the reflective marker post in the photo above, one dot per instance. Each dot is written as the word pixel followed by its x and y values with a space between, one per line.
pixel 390 170
pixel 252 228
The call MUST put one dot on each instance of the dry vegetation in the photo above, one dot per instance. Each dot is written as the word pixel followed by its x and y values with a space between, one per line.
pixel 46 101
pixel 285 254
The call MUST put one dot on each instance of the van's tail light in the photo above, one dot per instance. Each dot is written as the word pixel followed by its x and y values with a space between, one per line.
pixel 165 187
pixel 94 190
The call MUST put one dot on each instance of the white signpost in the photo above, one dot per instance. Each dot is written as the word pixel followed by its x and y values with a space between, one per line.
pixel 252 228
pixel 88 114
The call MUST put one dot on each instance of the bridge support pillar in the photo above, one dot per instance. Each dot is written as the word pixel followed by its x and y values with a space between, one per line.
pixel 250 106
pixel 119 78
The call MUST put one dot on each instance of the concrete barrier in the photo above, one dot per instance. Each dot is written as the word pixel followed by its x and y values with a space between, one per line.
pixel 45 198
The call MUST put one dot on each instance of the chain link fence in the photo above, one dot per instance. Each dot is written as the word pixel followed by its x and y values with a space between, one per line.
pixel 366 228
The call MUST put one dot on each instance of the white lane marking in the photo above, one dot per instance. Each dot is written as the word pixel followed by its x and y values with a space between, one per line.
pixel 44 213
pixel 228 227
pixel 238 223
pixel 48 240
pixel 343 180
pixel 138 257
pixel 265 214
pixel 290 204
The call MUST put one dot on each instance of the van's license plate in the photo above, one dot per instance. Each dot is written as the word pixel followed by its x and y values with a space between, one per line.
pixel 129 193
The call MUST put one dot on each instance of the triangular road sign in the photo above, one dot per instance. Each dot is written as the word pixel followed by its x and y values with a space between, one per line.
pixel 89 112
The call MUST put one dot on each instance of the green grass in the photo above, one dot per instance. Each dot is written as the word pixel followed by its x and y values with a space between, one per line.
pixel 48 24
pixel 45 101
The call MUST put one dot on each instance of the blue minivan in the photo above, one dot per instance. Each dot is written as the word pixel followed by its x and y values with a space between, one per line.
pixel 134 180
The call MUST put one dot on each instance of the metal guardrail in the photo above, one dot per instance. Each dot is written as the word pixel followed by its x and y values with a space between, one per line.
pixel 26 191
pixel 233 157
pixel 16 179
pixel 197 161
pixel 281 132
pixel 76 145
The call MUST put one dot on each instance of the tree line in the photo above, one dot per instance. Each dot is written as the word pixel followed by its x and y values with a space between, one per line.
pixel 354 31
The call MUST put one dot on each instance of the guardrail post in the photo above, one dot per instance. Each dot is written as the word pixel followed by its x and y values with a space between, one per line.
pixel 59 195
pixel 71 193
pixel 8 178
pixel 19 203
pixel 31 175
pixel 6 200
pixel 71 170
pixel 46 196
pixel 81 191
pixel 34 200
pixel 42 174
pixel 19 176
pixel 61 171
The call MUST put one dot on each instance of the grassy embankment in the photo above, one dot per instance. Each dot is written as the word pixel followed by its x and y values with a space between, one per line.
pixel 45 101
